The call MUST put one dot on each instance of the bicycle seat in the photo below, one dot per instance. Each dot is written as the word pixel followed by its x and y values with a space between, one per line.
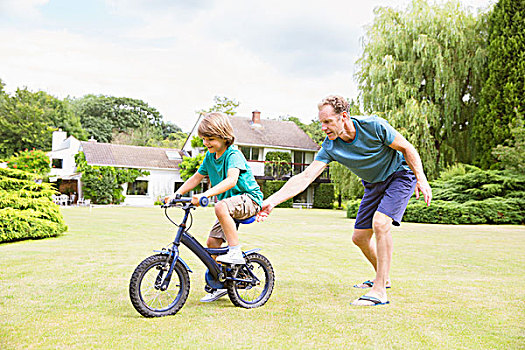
pixel 246 221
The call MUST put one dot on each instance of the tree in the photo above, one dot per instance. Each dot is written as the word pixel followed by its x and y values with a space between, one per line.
pixel 189 166
pixel 513 157
pixel 347 185
pixel 502 94
pixel 105 116
pixel 222 104
pixel 27 120
pixel 421 69
pixel 22 125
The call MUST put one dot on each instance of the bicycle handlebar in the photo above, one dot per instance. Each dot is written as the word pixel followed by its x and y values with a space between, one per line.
pixel 203 201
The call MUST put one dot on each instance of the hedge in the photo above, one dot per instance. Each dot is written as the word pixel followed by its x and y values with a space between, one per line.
pixel 324 196
pixel 270 187
pixel 26 208
pixel 496 210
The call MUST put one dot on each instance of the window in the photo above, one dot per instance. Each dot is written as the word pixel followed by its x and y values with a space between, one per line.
pixel 137 188
pixel 57 163
pixel 299 158
pixel 250 153
pixel 177 186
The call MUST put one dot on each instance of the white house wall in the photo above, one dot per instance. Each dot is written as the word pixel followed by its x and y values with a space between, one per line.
pixel 68 159
pixel 160 183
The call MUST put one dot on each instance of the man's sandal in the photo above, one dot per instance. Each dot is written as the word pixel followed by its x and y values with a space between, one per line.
pixel 366 284
pixel 375 301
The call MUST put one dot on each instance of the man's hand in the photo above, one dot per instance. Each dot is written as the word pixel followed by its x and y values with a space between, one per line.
pixel 266 209
pixel 424 187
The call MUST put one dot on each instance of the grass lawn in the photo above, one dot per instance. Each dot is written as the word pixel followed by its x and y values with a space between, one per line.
pixel 453 287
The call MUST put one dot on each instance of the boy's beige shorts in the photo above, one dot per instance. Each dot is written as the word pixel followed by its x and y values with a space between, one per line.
pixel 240 207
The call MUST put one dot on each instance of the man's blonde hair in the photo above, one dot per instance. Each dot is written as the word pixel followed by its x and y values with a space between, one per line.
pixel 338 103
pixel 217 125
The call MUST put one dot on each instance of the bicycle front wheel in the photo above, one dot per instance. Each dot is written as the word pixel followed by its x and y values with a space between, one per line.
pixel 144 287
pixel 252 292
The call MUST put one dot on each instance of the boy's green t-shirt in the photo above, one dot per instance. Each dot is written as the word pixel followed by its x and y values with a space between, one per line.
pixel 217 170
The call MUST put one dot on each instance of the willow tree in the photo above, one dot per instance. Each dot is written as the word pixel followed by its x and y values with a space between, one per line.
pixel 421 69
pixel 501 101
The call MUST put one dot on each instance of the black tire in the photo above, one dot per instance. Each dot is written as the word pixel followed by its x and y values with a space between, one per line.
pixel 248 295
pixel 152 302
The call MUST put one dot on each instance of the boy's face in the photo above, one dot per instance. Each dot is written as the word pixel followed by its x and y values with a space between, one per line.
pixel 214 144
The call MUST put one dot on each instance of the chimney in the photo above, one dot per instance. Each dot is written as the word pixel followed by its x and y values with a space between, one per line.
pixel 59 136
pixel 256 117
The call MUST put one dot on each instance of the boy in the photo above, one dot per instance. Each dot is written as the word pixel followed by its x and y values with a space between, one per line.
pixel 232 181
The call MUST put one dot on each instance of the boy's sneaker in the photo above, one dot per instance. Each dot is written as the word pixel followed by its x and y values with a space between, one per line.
pixel 234 256
pixel 219 293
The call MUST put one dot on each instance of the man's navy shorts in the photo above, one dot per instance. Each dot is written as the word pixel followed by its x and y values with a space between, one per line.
pixel 389 197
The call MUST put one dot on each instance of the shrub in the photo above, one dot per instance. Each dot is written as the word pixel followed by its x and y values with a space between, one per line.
pixel 324 196
pixel 26 208
pixel 270 187
pixel 103 184
pixel 469 196
pixel 34 161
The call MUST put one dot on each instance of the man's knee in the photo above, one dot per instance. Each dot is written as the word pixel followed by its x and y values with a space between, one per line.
pixel 381 223
pixel 362 236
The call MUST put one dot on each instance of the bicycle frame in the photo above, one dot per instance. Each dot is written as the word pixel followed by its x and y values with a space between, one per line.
pixel 204 254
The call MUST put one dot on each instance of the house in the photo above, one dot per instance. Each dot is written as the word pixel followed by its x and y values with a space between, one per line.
pixel 256 137
pixel 161 163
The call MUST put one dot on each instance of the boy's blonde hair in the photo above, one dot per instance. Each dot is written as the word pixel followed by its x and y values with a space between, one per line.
pixel 217 125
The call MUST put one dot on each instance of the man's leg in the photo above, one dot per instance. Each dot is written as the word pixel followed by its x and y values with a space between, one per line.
pixel 383 256
pixel 363 239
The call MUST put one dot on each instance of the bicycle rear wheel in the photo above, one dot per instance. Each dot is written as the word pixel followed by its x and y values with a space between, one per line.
pixel 251 293
pixel 144 287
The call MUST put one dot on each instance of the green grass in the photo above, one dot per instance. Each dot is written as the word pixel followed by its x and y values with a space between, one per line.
pixel 454 287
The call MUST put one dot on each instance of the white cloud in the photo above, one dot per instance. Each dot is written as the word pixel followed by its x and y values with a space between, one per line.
pixel 277 57
pixel 21 8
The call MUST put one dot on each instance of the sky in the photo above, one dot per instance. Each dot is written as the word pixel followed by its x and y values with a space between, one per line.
pixel 279 57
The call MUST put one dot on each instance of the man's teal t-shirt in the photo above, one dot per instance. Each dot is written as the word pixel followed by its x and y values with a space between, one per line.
pixel 368 155
pixel 217 170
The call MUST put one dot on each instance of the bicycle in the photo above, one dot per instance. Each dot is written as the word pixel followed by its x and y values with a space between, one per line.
pixel 160 284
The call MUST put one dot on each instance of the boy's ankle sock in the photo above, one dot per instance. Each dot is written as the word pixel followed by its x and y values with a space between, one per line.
pixel 233 248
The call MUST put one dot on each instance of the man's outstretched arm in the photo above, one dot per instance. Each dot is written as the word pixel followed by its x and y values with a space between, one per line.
pixel 292 187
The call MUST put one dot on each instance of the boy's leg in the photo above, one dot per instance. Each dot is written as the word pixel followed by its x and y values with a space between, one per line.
pixel 239 207
pixel 227 223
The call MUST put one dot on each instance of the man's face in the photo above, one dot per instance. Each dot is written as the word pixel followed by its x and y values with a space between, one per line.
pixel 331 123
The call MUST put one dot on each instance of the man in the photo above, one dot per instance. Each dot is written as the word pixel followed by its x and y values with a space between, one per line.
pixel 391 170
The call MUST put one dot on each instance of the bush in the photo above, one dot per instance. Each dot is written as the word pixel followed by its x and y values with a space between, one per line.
pixel 270 187
pixel 34 161
pixel 468 195
pixel 324 196
pixel 495 210
pixel 103 184
pixel 351 208
pixel 26 208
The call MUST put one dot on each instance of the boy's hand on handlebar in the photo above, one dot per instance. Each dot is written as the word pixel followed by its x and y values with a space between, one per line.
pixel 196 199
pixel 169 199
